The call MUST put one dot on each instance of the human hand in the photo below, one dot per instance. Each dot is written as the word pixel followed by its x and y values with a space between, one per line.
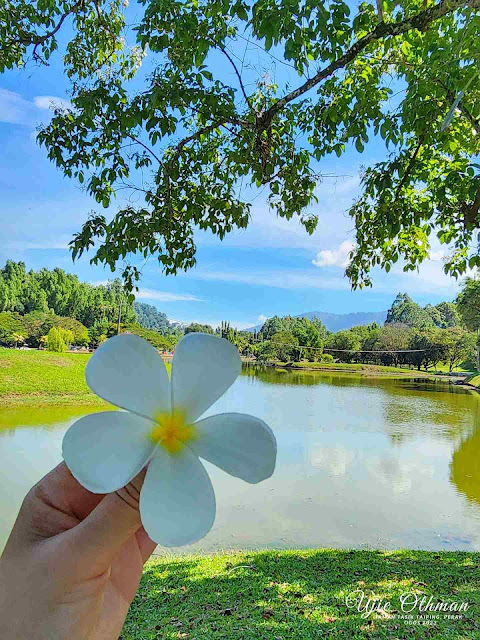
pixel 73 561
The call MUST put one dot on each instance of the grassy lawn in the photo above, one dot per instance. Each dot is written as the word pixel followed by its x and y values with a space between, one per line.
pixel 300 595
pixel 44 378
pixel 41 377
pixel 474 380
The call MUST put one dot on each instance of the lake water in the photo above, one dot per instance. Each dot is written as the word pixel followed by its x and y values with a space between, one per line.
pixel 362 462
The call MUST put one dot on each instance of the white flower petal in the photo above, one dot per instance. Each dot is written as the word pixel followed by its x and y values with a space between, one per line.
pixel 128 372
pixel 203 368
pixel 240 444
pixel 104 451
pixel 177 502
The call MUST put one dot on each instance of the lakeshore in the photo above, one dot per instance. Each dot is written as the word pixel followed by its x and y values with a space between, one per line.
pixel 42 378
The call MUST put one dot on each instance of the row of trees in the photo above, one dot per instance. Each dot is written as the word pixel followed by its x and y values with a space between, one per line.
pixel 398 344
pixel 405 311
pixel 63 294
pixel 393 344
pixel 53 309
pixel 36 328
pixel 412 336
pixel 33 303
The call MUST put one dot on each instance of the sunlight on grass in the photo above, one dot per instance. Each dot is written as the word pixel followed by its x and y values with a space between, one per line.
pixel 41 378
pixel 297 595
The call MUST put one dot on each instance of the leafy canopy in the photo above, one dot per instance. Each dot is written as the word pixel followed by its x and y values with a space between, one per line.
pixel 212 117
pixel 468 303
pixel 54 291
pixel 405 311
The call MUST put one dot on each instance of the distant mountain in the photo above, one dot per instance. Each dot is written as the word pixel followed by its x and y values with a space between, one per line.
pixel 337 321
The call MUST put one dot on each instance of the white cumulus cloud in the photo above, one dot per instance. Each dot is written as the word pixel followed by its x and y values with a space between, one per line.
pixel 50 102
pixel 334 257
pixel 14 109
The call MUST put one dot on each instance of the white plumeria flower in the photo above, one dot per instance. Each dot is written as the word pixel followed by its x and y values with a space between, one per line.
pixel 105 451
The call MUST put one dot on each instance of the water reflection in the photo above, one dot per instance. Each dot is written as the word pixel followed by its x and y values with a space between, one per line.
pixel 465 467
pixel 378 462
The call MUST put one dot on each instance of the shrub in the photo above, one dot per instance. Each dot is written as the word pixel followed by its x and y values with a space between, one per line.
pixel 10 327
pixel 59 339
pixel 327 357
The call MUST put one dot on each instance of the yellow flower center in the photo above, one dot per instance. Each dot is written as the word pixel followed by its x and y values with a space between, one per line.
pixel 171 431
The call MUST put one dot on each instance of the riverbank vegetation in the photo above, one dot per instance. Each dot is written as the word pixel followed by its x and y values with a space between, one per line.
pixel 367 369
pixel 301 594
pixel 473 380
pixel 36 307
pixel 430 337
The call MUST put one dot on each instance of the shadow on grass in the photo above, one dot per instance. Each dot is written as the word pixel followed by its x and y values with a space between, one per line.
pixel 301 595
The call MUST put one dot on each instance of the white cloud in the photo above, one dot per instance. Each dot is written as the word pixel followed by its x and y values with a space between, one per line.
pixel 334 257
pixel 437 255
pixel 17 110
pixel 98 283
pixel 154 294
pixel 336 460
pixel 28 246
pixel 165 296
pixel 282 279
pixel 261 319
pixel 14 109
pixel 50 102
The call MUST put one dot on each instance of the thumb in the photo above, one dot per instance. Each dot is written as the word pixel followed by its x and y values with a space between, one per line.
pixel 113 521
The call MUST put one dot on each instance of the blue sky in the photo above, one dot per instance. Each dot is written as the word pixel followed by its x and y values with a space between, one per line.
pixel 273 267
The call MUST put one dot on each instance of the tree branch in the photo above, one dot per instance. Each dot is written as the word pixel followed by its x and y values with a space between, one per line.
pixel 380 11
pixel 475 122
pixel 129 135
pixel 419 21
pixel 38 39
pixel 472 211
pixel 181 145
pixel 410 164
pixel 240 81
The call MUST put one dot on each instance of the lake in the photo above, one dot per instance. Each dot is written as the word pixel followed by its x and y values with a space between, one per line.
pixel 362 462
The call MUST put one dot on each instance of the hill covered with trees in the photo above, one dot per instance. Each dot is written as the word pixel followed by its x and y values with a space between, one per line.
pixel 150 317
pixel 63 294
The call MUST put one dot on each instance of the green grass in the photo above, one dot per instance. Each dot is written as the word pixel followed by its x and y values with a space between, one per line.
pixel 43 378
pixel 465 367
pixel 370 368
pixel 343 366
pixel 300 595
pixel 474 380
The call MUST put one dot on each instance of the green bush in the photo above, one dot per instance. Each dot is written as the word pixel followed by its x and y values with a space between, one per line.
pixel 11 329
pixel 327 357
pixel 58 339
pixel 155 338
